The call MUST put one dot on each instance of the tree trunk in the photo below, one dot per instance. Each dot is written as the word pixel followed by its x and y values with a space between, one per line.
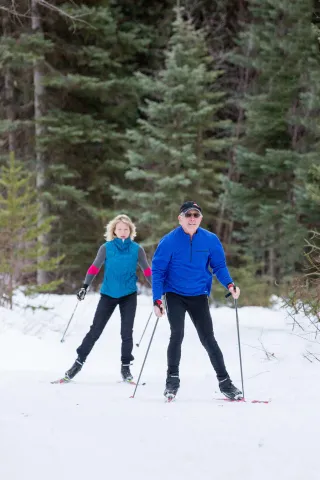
pixel 39 109
pixel 271 266
pixel 244 79
pixel 8 88
pixel 271 252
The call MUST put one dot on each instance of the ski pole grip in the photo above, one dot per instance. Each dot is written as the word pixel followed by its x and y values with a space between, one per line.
pixel 229 293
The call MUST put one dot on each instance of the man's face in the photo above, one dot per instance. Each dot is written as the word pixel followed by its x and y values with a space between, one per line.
pixel 190 221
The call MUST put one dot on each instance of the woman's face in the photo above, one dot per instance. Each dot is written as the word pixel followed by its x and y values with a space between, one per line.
pixel 122 230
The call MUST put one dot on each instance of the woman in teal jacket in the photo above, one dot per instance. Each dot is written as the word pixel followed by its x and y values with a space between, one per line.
pixel 120 256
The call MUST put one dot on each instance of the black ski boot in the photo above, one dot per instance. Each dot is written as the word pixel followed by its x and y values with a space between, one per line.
pixel 125 373
pixel 229 390
pixel 72 372
pixel 172 386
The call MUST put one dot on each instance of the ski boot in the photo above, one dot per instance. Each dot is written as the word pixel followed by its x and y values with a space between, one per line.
pixel 172 387
pixel 229 390
pixel 72 372
pixel 125 373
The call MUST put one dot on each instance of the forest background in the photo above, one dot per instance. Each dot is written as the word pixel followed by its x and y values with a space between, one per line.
pixel 128 106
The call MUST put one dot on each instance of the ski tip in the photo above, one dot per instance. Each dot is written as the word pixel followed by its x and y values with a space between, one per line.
pixel 131 382
pixel 234 400
pixel 60 380
pixel 169 398
pixel 242 400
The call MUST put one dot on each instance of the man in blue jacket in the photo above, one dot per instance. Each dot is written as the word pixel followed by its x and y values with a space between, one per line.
pixel 180 269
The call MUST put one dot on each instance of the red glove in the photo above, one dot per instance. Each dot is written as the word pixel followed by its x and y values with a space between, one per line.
pixel 158 308
pixel 234 291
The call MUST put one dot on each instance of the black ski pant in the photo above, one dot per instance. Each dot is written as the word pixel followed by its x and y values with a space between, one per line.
pixel 198 309
pixel 105 309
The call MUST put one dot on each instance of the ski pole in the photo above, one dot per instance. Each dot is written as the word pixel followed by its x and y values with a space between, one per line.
pixel 145 328
pixel 145 358
pixel 239 345
pixel 238 332
pixel 75 308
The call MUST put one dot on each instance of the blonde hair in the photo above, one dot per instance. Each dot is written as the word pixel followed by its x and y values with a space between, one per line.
pixel 111 226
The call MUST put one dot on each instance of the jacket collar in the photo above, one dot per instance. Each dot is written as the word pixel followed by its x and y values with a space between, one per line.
pixel 188 234
pixel 122 244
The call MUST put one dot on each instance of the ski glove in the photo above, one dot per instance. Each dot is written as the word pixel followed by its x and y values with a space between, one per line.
pixel 82 292
pixel 233 290
pixel 158 308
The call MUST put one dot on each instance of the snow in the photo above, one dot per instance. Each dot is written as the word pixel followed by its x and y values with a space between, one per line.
pixel 90 428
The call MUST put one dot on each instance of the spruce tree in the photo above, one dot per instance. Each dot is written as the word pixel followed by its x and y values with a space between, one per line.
pixel 19 230
pixel 87 54
pixel 100 95
pixel 92 100
pixel 176 152
pixel 278 148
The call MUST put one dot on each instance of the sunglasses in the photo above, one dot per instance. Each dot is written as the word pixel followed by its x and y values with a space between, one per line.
pixel 195 215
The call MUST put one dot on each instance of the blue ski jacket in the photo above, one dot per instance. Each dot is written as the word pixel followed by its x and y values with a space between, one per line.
pixel 181 264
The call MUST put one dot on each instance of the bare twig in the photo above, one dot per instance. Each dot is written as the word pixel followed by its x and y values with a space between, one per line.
pixel 295 321
pixel 314 324
pixel 305 338
pixel 305 356
pixel 12 10
pixel 268 354
pixel 313 355
pixel 49 6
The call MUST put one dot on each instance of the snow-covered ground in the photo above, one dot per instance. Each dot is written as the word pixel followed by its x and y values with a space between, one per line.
pixel 92 429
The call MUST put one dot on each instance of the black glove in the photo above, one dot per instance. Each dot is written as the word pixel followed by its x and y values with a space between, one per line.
pixel 82 292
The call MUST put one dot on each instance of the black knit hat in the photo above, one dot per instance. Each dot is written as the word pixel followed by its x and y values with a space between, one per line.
pixel 189 206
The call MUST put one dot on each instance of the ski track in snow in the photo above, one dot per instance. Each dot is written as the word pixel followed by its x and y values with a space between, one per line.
pixel 90 428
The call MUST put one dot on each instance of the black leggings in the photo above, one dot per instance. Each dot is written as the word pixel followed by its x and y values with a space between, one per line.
pixel 105 309
pixel 198 309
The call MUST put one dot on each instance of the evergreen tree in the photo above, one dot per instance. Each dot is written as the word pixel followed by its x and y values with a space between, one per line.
pixel 87 53
pixel 177 150
pixel 92 99
pixel 278 148
pixel 19 248
pixel 19 49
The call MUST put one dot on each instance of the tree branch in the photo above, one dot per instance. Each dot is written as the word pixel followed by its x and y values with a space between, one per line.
pixel 12 10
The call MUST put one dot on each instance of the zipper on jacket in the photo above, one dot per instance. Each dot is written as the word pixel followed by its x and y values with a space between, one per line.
pixel 190 249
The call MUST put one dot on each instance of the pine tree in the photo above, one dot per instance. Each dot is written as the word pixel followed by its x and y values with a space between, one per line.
pixel 277 149
pixel 176 152
pixel 92 99
pixel 19 227
pixel 87 55
pixel 86 131
pixel 19 50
